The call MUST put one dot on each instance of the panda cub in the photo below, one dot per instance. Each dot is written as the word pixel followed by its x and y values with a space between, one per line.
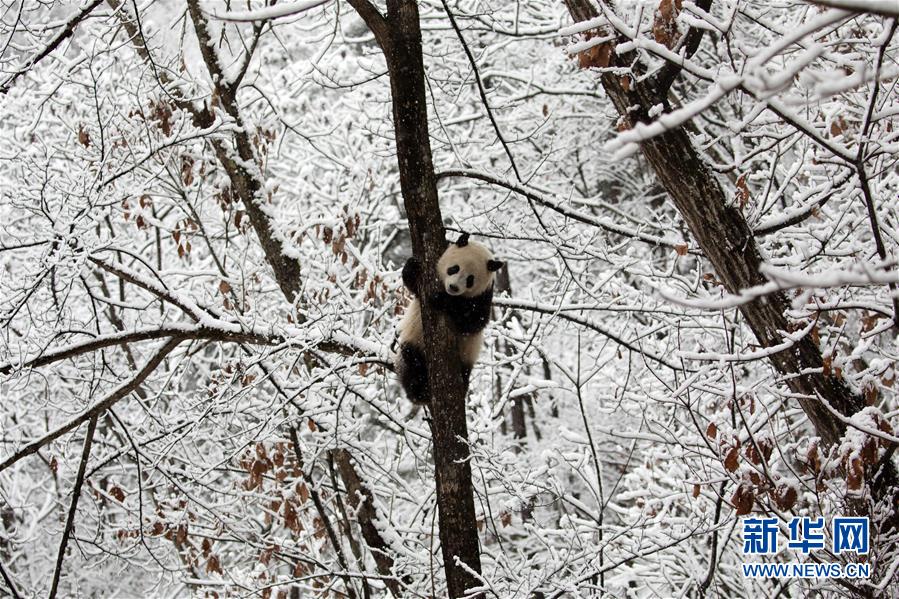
pixel 466 270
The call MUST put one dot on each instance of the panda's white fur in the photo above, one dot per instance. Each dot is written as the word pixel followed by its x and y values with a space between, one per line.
pixel 472 260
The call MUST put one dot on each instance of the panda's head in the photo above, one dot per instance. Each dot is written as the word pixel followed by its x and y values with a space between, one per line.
pixel 467 268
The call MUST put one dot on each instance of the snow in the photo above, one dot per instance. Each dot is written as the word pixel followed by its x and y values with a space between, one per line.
pixel 887 7
pixel 276 11
pixel 617 370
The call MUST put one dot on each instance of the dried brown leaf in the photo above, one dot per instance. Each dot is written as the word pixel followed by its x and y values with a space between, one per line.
pixel 732 459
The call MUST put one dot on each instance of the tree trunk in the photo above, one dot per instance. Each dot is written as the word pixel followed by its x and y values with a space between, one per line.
pixel 399 36
pixel 360 498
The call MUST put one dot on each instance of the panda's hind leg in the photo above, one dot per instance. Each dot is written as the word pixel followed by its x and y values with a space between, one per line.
pixel 413 374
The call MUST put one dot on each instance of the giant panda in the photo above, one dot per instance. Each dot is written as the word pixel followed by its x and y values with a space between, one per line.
pixel 466 271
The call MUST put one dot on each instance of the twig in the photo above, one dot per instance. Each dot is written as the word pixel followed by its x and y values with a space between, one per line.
pixel 9 583
pixel 76 493
pixel 477 77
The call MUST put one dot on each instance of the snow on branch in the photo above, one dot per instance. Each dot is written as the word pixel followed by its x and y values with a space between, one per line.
pixel 781 280
pixel 628 142
pixel 887 8
pixel 760 354
pixel 269 12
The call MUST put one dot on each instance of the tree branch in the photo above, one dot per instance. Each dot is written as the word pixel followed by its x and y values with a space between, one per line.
pixel 63 35
pixel 518 305
pixel 375 22
pixel 110 400
pixel 173 331
pixel 10 584
pixel 548 202
pixel 691 41
pixel 160 290
pixel 73 508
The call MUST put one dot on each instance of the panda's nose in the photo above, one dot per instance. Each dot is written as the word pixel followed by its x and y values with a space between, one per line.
pixel 454 288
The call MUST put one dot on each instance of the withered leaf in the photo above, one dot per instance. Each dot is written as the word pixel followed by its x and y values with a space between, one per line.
pixel 732 459
pixel 118 493
pixel 743 500
pixel 785 496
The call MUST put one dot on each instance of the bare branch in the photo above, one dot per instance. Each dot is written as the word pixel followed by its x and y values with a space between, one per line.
pixel 73 507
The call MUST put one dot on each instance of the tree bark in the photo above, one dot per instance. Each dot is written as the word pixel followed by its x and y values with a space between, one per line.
pixel 455 495
pixel 399 36
pixel 360 498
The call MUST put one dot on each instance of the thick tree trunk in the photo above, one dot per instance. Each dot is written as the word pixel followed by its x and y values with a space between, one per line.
pixel 729 244
pixel 399 36
pixel 455 496
pixel 360 498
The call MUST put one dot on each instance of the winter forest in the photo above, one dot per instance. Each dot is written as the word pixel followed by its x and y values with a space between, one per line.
pixel 205 209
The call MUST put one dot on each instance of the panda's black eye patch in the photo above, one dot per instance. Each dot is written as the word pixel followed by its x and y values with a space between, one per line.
pixel 452 269
pixel 469 282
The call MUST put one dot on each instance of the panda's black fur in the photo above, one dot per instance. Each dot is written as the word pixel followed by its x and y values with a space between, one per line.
pixel 466 270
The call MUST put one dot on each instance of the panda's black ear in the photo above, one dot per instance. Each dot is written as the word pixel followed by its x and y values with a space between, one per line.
pixel 495 265
pixel 463 240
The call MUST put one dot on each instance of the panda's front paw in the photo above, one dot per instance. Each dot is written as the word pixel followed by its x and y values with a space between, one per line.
pixel 412 275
